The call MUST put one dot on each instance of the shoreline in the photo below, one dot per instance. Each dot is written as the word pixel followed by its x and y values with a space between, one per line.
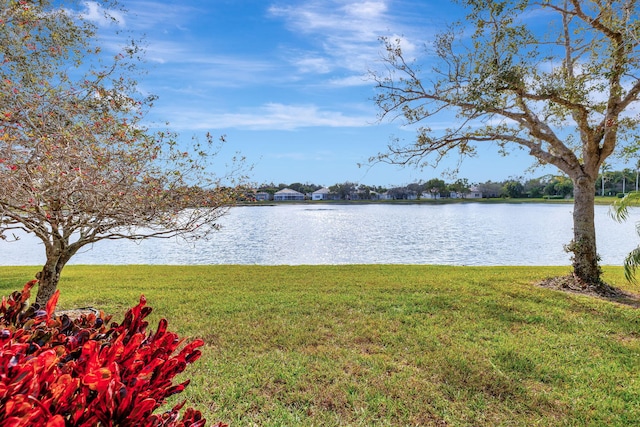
pixel 598 201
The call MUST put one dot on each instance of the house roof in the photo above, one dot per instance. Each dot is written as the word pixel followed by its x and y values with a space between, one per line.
pixel 323 190
pixel 289 191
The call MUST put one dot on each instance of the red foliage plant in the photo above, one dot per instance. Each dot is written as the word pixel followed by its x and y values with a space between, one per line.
pixel 58 372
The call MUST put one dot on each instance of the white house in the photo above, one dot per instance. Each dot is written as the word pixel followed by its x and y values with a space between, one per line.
pixel 474 193
pixel 263 196
pixel 430 195
pixel 287 194
pixel 321 194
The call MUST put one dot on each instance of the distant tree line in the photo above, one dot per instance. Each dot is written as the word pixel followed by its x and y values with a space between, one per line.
pixel 609 183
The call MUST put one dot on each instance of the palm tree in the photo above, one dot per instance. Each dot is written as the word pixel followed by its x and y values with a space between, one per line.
pixel 620 212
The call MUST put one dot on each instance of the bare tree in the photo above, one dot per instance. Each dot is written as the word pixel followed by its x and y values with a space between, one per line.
pixel 564 96
pixel 77 164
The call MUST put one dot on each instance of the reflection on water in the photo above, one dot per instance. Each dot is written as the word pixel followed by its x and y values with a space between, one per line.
pixel 455 234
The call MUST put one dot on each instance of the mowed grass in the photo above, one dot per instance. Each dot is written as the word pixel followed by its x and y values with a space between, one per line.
pixel 383 345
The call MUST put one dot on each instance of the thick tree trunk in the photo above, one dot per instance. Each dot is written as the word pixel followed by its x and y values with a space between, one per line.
pixel 583 246
pixel 48 278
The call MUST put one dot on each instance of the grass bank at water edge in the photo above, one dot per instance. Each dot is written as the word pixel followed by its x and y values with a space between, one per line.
pixel 383 345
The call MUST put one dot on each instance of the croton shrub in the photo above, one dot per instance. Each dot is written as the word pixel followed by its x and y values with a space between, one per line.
pixel 56 371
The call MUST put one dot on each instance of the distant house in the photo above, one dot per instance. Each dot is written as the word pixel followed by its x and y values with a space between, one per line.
pixel 262 196
pixel 474 193
pixel 287 194
pixel 321 194
pixel 430 195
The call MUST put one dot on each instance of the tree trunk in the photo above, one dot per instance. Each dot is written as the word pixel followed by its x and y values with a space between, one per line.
pixel 583 246
pixel 48 278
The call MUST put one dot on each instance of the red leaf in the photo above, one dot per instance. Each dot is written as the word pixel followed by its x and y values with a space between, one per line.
pixel 51 304
pixel 142 409
pixel 162 328
pixel 97 379
pixel 63 388
pixel 12 422
pixel 56 421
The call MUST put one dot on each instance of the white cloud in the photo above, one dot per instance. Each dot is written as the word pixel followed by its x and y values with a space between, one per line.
pixel 316 65
pixel 355 21
pixel 409 49
pixel 154 15
pixel 350 81
pixel 344 34
pixel 163 52
pixel 95 13
pixel 366 9
pixel 272 116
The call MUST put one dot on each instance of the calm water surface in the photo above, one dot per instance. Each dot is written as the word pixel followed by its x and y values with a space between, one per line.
pixel 455 234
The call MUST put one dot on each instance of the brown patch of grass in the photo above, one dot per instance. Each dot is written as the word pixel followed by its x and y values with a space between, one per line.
pixel 572 284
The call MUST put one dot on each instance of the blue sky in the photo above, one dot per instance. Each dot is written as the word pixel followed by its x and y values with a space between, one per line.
pixel 286 82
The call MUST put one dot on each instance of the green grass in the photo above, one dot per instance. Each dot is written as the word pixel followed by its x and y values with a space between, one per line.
pixel 379 345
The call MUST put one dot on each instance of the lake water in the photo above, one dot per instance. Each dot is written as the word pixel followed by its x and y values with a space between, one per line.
pixel 453 234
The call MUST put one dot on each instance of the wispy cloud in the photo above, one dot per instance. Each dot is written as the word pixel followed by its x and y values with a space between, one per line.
pixel 334 43
pixel 349 81
pixel 157 15
pixel 94 12
pixel 310 64
pixel 272 116
pixel 354 20
pixel 345 34
pixel 340 36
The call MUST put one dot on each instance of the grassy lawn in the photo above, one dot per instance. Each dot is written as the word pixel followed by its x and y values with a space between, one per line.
pixel 377 345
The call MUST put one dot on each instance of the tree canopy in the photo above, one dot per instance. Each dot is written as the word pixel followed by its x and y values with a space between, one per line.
pixel 77 162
